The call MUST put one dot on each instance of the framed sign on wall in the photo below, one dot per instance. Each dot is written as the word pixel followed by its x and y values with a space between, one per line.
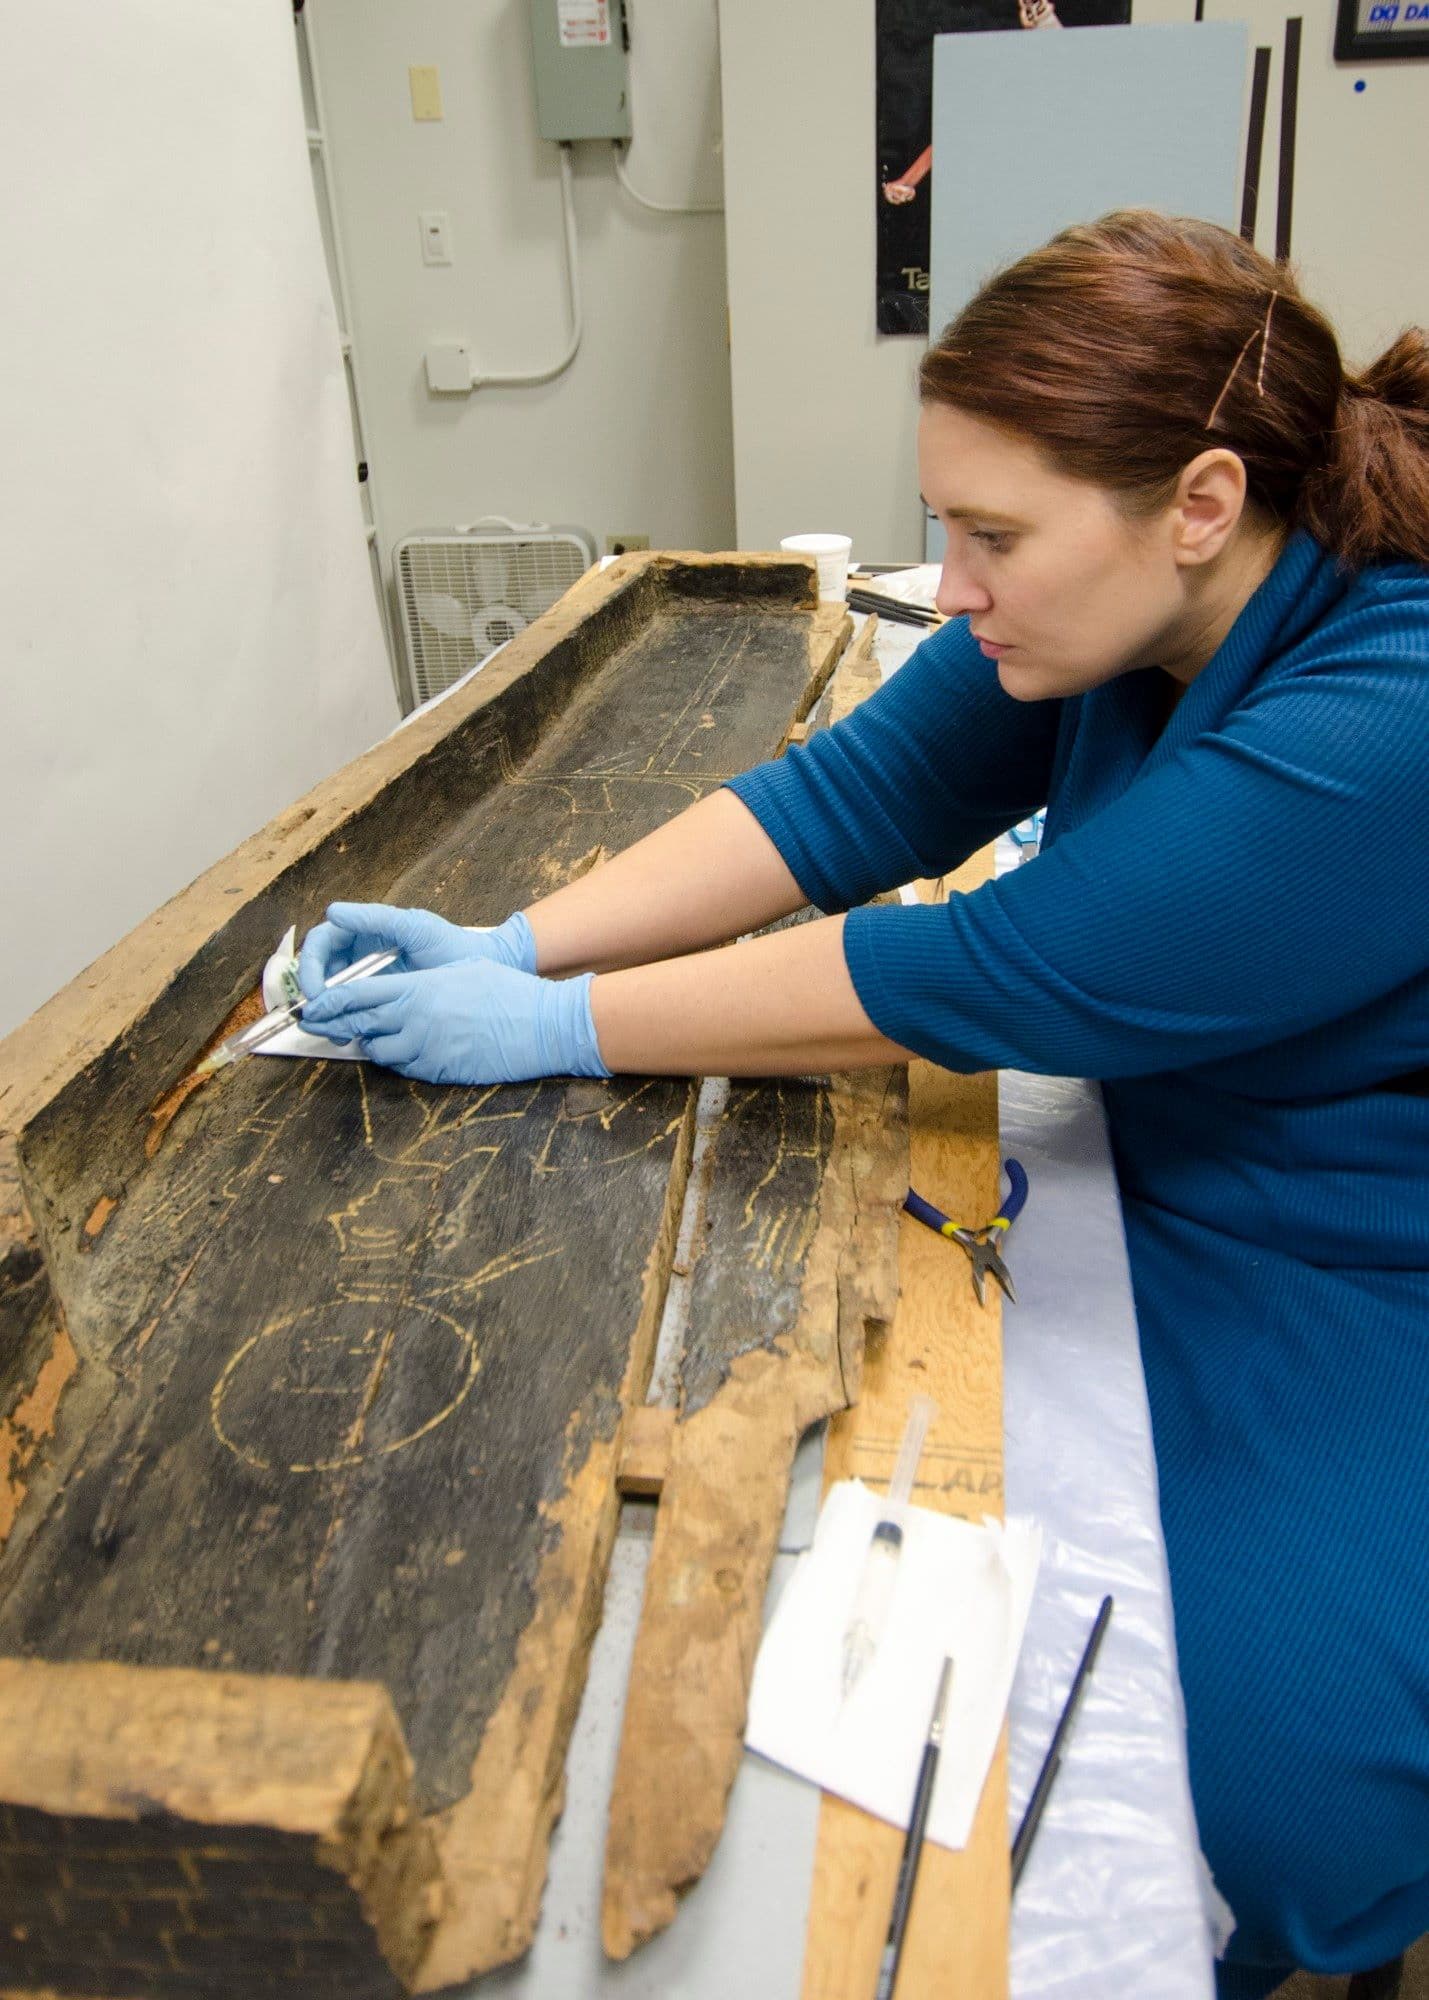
pixel 1381 30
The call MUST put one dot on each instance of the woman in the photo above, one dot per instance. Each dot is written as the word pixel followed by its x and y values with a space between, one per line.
pixel 1194 550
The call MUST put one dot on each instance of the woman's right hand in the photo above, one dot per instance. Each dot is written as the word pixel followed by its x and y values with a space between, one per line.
pixel 422 939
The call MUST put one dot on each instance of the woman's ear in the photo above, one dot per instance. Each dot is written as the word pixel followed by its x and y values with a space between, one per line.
pixel 1209 502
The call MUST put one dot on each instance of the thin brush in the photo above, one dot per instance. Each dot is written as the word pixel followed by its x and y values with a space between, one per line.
pixel 880 1565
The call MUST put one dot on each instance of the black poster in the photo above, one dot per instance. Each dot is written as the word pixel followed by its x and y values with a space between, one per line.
pixel 905 125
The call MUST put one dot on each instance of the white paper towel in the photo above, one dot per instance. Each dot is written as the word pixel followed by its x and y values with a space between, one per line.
pixel 962 1589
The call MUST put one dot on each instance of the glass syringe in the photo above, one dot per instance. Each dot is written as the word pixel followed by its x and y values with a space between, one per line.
pixel 880 1565
pixel 248 1040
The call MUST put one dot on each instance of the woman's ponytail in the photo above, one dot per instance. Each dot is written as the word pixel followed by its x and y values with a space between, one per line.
pixel 1370 499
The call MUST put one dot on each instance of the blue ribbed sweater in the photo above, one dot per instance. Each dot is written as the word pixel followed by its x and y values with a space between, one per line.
pixel 1229 925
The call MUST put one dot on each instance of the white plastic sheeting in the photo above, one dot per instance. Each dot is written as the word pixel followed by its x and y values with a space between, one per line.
pixel 1111 1900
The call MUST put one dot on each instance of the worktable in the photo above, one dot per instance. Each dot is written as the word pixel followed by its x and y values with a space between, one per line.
pixel 1112 1900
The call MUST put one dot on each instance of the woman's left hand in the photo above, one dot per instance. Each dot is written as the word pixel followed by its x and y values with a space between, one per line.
pixel 474 1022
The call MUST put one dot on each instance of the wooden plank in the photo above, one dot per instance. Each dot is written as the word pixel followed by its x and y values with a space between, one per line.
pixel 798 1267
pixel 645 1452
pixel 352 1390
pixel 942 1344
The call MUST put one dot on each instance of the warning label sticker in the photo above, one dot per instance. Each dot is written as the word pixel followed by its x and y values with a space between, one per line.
pixel 583 24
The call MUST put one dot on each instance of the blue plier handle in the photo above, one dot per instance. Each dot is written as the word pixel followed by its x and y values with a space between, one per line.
pixel 982 1245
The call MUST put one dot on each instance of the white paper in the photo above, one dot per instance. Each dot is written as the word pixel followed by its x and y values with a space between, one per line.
pixel 911 586
pixel 962 1589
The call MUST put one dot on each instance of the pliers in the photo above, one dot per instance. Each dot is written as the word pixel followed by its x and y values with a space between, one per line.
pixel 980 1244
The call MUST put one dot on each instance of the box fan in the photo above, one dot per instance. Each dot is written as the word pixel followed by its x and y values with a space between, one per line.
pixel 462 592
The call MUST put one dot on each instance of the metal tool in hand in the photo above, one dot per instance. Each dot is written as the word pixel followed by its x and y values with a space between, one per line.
pixel 983 1245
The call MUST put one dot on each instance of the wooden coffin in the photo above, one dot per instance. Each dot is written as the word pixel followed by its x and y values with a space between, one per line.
pixel 317 1384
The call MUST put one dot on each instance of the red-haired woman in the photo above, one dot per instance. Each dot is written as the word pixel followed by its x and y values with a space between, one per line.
pixel 1186 569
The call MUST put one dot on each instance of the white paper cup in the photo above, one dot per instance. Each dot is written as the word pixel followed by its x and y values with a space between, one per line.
pixel 831 553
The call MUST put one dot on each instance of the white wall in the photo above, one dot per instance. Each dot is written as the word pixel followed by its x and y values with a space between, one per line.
pixel 189 636
pixel 823 407
pixel 635 437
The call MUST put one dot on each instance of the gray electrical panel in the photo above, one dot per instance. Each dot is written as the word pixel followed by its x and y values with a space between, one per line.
pixel 578 52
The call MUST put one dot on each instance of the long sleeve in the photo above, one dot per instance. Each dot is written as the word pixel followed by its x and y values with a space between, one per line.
pixel 921 775
pixel 1236 893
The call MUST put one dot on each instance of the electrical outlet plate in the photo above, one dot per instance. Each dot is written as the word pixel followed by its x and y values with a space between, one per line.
pixel 619 545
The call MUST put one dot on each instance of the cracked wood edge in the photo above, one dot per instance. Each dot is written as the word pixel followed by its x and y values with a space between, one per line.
pixel 722 1500
pixel 717 1529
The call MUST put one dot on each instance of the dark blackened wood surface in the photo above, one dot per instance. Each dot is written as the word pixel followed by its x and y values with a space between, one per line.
pixel 361 1330
pixel 761 1211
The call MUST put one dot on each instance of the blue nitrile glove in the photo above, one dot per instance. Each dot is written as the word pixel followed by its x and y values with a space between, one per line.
pixel 425 941
pixel 477 1022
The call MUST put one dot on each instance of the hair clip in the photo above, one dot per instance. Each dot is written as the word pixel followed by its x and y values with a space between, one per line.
pixel 1264 333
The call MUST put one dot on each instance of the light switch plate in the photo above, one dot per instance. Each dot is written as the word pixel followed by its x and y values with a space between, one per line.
pixel 425 83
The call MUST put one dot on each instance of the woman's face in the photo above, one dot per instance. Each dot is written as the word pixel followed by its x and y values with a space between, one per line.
pixel 1061 588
